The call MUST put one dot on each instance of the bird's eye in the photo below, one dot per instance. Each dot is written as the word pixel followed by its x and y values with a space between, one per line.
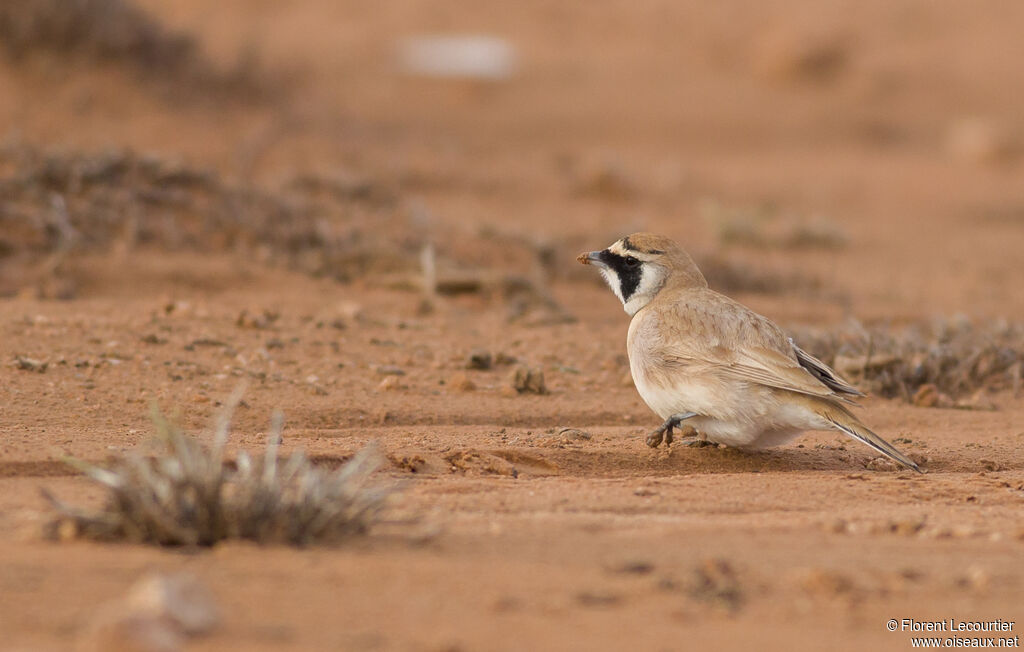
pixel 631 262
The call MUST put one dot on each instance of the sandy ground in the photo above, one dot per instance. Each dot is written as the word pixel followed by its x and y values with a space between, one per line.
pixel 533 539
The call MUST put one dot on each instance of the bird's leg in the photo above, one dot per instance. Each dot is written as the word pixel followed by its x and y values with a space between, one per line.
pixel 664 431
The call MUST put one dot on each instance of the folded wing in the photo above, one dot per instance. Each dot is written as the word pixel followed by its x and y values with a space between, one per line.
pixel 720 335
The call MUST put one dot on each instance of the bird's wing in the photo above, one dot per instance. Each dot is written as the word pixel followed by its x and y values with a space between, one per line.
pixel 823 372
pixel 706 330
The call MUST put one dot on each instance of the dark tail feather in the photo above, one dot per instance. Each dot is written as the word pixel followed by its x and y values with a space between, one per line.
pixel 843 420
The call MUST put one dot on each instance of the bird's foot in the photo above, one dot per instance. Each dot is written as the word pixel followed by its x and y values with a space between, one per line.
pixel 657 436
pixel 664 431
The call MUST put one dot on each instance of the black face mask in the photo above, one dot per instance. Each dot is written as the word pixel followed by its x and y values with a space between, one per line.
pixel 628 269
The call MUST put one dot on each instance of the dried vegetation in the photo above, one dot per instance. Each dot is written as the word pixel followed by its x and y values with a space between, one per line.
pixel 55 205
pixel 54 202
pixel 188 495
pixel 117 32
pixel 941 363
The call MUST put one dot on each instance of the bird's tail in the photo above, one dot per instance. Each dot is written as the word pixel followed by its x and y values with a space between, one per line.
pixel 845 421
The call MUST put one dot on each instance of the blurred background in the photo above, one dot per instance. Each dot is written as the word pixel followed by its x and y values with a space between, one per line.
pixel 870 151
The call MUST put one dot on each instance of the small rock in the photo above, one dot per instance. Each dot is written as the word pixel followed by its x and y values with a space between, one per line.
pixel 390 370
pixel 390 383
pixel 460 382
pixel 479 359
pixel 157 615
pixel 528 381
pixel 459 56
pixel 977 578
pixel 351 311
pixel 644 492
pixel 28 364
pixel 180 598
pixel 939 533
pixel 573 434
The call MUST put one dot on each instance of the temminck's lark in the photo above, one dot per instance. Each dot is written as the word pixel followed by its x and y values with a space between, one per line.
pixel 700 357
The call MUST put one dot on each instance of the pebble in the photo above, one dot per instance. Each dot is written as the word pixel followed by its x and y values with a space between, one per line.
pixel 180 598
pixel 573 434
pixel 28 364
pixel 159 613
pixel 390 383
pixel 479 359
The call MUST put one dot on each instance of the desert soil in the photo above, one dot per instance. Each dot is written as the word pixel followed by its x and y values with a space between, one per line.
pixel 892 123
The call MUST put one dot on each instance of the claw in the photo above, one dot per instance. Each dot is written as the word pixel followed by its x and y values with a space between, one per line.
pixel 655 438
pixel 664 432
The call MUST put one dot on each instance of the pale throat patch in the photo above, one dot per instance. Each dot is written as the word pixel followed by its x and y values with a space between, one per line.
pixel 612 279
pixel 651 279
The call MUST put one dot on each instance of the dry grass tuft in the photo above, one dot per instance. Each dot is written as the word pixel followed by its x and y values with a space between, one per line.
pixel 944 360
pixel 188 496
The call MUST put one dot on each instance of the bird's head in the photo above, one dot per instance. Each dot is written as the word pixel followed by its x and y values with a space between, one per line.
pixel 640 265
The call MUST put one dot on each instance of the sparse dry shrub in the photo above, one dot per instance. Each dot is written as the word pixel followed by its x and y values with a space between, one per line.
pixel 189 496
pixel 954 356
pixel 56 204
pixel 100 29
pixel 117 32
pixel 54 201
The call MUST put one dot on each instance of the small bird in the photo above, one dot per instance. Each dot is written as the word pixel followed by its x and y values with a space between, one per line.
pixel 698 356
